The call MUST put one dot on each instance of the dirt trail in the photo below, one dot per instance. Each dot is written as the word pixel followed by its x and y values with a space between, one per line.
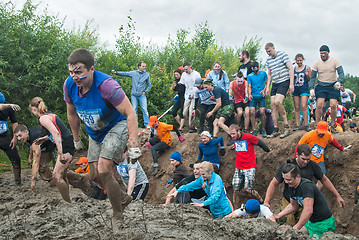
pixel 25 214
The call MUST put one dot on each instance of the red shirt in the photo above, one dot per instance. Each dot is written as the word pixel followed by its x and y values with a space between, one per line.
pixel 340 113
pixel 245 158
pixel 239 91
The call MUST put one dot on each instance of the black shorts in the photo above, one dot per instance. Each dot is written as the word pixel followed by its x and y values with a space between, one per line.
pixel 327 92
pixel 240 105
pixel 68 145
pixel 280 88
pixel 140 191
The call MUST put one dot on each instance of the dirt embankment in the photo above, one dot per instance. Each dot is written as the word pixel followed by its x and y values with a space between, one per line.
pixel 25 214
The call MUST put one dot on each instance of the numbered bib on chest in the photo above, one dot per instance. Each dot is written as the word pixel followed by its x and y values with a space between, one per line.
pixel 317 150
pixel 204 95
pixel 339 113
pixel 122 170
pixel 299 79
pixel 241 146
pixel 92 118
pixel 3 127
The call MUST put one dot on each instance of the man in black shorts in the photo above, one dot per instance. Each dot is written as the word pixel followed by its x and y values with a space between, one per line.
pixel 316 217
pixel 328 84
pixel 309 170
pixel 281 71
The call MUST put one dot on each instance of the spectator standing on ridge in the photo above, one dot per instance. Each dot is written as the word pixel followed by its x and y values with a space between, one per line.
pixel 180 89
pixel 141 86
pixel 188 80
pixel 345 96
pixel 246 66
pixel 219 77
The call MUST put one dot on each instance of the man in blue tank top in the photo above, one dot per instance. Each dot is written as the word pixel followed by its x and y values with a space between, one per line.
pixel 99 101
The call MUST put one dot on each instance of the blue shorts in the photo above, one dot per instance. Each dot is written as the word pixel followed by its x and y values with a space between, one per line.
pixel 260 101
pixel 322 167
pixel 327 92
pixel 301 91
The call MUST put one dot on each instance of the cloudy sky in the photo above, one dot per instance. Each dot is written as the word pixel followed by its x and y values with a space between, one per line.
pixel 293 26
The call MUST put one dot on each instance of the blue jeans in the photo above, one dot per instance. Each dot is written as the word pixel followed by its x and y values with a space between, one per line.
pixel 143 104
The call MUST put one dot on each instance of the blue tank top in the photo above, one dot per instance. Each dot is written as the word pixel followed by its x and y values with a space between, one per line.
pixel 98 116
pixel 300 78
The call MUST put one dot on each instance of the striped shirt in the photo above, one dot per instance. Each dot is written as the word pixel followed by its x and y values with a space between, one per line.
pixel 279 70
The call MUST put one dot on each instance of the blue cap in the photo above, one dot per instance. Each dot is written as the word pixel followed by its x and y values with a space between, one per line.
pixel 2 98
pixel 252 207
pixel 176 156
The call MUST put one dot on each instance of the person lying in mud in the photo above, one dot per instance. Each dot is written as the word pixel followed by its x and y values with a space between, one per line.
pixel 195 196
pixel 252 209
pixel 41 149
pixel 212 184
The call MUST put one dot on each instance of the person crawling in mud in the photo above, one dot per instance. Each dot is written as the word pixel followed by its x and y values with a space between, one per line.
pixel 252 209
pixel 316 217
pixel 41 149
pixel 212 184
pixel 195 196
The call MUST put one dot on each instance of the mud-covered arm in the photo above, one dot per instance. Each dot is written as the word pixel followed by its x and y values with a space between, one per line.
pixel 262 145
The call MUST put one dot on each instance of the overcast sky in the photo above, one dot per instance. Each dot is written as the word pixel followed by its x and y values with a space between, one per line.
pixel 293 26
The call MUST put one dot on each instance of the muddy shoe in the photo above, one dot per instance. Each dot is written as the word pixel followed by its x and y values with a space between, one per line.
pixel 296 128
pixel 307 128
pixel 192 130
pixel 127 199
pixel 286 132
pixel 264 133
pixel 117 224
pixel 274 134
pixel 254 133
pixel 333 130
pixel 155 170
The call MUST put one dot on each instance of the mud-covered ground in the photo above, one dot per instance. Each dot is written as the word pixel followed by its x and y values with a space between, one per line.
pixel 25 214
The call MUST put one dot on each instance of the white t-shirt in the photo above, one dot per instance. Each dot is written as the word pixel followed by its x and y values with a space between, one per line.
pixel 264 212
pixel 346 95
pixel 188 81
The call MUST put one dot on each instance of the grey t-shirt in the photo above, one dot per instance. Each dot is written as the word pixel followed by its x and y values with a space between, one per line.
pixel 123 169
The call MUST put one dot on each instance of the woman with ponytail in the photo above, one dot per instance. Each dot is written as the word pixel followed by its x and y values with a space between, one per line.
pixel 62 137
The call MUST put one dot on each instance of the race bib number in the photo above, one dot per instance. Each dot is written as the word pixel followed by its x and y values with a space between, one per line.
pixel 92 118
pixel 244 71
pixel 122 170
pixel 317 150
pixel 339 113
pixel 3 127
pixel 299 79
pixel 204 95
pixel 241 146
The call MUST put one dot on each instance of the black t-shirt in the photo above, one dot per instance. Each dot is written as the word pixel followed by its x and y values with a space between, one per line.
pixel 311 170
pixel 37 132
pixel 180 88
pixel 246 69
pixel 196 194
pixel 305 189
pixel 4 115
pixel 219 92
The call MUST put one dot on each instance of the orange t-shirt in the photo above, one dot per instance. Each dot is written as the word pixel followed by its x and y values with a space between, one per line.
pixel 79 170
pixel 162 132
pixel 317 144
